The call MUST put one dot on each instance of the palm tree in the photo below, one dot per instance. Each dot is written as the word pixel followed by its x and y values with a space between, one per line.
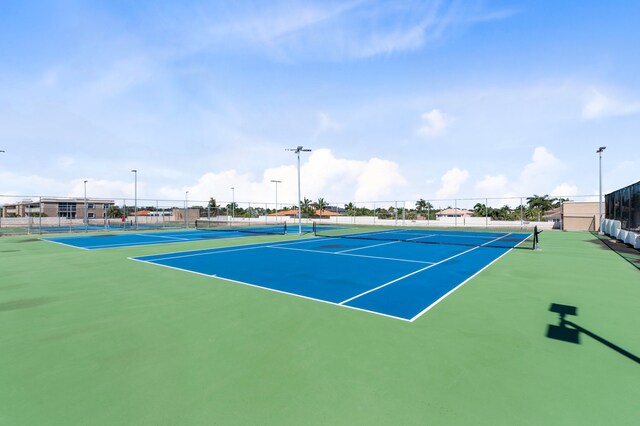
pixel 479 210
pixel 114 212
pixel 321 206
pixel 558 202
pixel 421 205
pixel 502 213
pixel 540 204
pixel 351 209
pixel 306 207
pixel 213 205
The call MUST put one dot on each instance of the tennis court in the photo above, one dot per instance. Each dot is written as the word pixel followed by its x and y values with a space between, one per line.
pixel 133 239
pixel 395 273
pixel 90 334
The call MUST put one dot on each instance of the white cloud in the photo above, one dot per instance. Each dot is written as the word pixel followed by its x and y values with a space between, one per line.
pixel 542 172
pixel 377 179
pixel 322 175
pixel 564 190
pixel 600 105
pixel 451 182
pixel 539 176
pixel 493 185
pixel 435 123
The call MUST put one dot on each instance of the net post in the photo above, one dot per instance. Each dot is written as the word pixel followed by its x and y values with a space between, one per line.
pixel 535 237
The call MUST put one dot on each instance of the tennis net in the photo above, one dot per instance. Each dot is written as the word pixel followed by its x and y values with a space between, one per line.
pixel 470 238
pixel 219 225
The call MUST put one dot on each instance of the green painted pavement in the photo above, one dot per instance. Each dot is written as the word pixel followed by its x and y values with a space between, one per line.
pixel 90 337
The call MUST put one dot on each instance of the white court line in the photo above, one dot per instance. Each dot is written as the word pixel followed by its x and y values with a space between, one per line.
pixel 341 304
pixel 270 289
pixel 418 271
pixel 63 244
pixel 350 254
pixel 362 248
pixel 222 249
pixel 462 283
pixel 383 244
pixel 163 236
pixel 140 244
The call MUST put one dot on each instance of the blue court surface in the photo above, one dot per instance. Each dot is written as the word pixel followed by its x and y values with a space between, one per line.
pixel 397 279
pixel 104 241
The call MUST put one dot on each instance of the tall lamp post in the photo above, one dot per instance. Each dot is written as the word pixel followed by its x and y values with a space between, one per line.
pixel 135 200
pixel 233 203
pixel 297 151
pixel 86 216
pixel 186 209
pixel 1 151
pixel 276 182
pixel 599 152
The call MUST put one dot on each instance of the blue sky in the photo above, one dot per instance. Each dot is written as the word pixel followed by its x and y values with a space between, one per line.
pixel 398 100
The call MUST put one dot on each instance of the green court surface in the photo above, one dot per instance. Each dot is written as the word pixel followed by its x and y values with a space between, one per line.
pixel 93 338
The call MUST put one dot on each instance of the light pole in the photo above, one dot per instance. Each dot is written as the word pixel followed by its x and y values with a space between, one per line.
pixel 86 216
pixel 298 150
pixel 599 151
pixel 276 182
pixel 1 150
pixel 186 209
pixel 233 203
pixel 135 199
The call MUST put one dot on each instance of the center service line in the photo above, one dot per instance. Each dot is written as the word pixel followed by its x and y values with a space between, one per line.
pixel 419 270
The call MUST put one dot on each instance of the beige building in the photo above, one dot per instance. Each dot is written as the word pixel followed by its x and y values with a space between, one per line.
pixel 580 216
pixel 178 214
pixel 454 213
pixel 69 208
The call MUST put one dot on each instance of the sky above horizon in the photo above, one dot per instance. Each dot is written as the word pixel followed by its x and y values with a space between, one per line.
pixel 398 100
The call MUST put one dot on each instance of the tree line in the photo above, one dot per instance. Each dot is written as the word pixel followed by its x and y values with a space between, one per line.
pixel 534 209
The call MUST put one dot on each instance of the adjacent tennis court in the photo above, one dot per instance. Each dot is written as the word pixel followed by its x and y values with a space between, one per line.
pixel 397 273
pixel 132 239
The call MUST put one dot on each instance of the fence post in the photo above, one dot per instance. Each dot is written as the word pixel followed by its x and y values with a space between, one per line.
pixel 404 213
pixel 395 212
pixel 486 212
pixel 521 218
pixel 455 213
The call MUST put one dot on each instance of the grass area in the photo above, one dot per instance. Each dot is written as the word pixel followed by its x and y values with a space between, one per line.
pixel 90 337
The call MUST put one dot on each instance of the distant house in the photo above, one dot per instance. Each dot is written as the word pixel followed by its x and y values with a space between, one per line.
pixel 554 215
pixel 70 208
pixel 454 213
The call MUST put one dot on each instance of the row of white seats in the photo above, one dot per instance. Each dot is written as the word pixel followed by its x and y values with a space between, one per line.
pixel 613 229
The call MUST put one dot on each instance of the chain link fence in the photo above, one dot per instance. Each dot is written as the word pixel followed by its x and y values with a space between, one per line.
pixel 48 214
